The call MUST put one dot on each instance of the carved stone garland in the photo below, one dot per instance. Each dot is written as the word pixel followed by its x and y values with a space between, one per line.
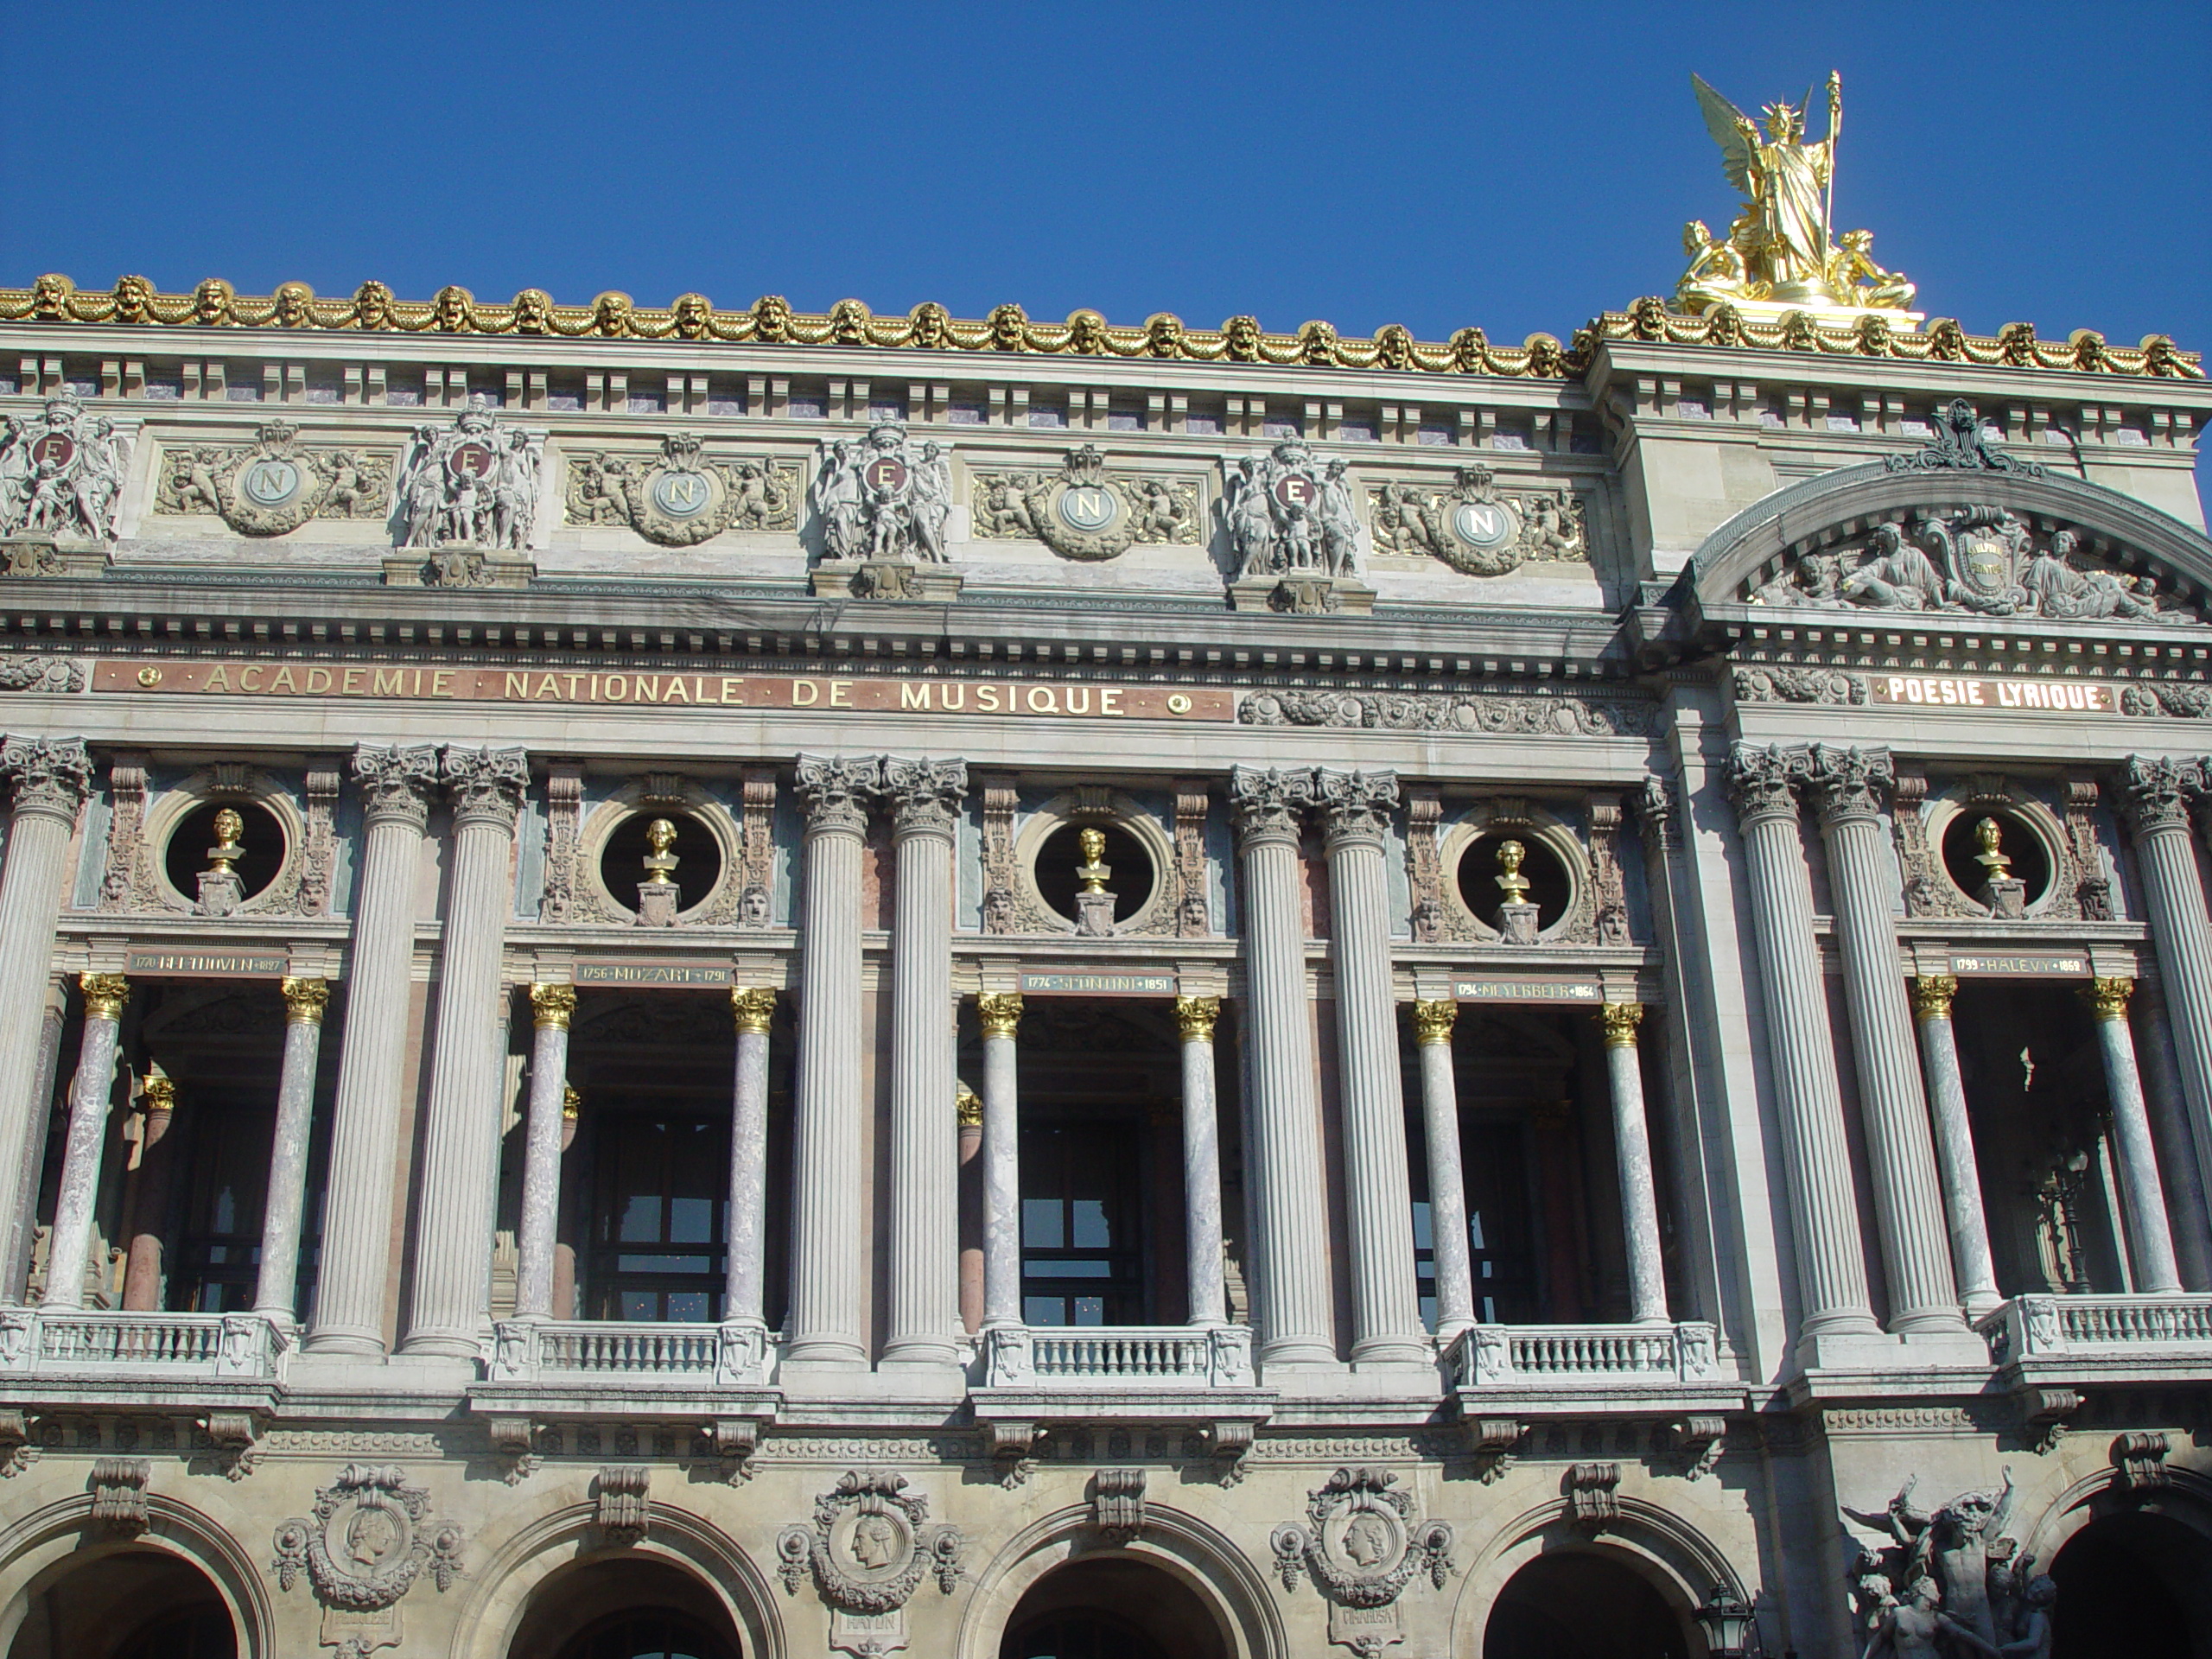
pixel 129 884
pixel 1476 529
pixel 2079 887
pixel 1361 1546
pixel 1083 513
pixel 679 498
pixel 869 1547
pixel 367 1542
pixel 274 485
pixel 1506 713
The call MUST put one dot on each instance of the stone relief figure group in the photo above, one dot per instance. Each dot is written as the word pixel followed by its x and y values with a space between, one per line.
pixel 883 500
pixel 61 472
pixel 474 484
pixel 1949 1583
pixel 1288 514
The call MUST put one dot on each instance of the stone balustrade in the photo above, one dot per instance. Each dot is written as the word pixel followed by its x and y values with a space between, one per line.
pixel 1592 1355
pixel 138 1346
pixel 635 1353
pixel 1118 1356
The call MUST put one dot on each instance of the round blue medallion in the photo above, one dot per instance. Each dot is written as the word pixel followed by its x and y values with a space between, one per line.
pixel 269 483
pixel 682 495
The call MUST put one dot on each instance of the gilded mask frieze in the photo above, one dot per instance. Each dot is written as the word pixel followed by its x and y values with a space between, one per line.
pixel 1476 528
pixel 1084 511
pixel 274 484
pixel 679 498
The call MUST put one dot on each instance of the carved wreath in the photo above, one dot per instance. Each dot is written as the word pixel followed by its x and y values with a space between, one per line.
pixel 890 1523
pixel 679 498
pixel 1358 1515
pixel 383 1533
pixel 1147 510
pixel 272 486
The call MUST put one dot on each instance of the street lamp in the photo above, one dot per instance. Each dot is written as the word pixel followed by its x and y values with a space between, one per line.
pixel 1731 1628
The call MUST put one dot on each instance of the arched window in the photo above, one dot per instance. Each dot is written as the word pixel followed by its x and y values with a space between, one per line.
pixel 647 1633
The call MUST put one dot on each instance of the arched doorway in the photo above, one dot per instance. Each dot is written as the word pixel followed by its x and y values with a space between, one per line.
pixel 632 1608
pixel 2131 1585
pixel 1581 1605
pixel 132 1604
pixel 1112 1608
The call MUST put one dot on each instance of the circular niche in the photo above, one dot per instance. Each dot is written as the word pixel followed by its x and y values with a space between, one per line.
pixel 1549 885
pixel 260 837
pixel 1131 882
pixel 698 858
pixel 2016 839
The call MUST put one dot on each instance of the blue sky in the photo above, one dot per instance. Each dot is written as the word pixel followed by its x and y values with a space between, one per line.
pixel 1521 168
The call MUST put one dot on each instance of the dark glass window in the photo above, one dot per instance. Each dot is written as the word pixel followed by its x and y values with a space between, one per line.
pixel 1082 1213
pixel 657 1224
pixel 219 1258
pixel 648 1633
pixel 204 1634
pixel 1501 1244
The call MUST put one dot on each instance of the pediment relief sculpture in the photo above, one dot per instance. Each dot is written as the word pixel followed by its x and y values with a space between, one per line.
pixel 1476 528
pixel 679 498
pixel 274 484
pixel 1084 511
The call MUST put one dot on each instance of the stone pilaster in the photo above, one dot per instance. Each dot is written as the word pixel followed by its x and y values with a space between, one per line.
pixel 1647 1271
pixel 1900 1156
pixel 1976 1275
pixel 1291 1299
pixel 275 1292
pixel 48 778
pixel 1208 1295
pixel 16 1235
pixel 1356 807
pixel 1823 1216
pixel 2162 1091
pixel 2150 1237
pixel 828 1229
pixel 999 1015
pixel 1447 1188
pixel 395 785
pixel 551 1008
pixel 69 1247
pixel 924 1304
pixel 2156 794
pixel 744 1273
pixel 451 1309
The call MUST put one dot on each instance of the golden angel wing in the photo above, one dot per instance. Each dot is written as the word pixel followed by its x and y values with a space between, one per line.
pixel 1725 123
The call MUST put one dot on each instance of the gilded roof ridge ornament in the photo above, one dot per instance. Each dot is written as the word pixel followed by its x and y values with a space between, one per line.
pixel 769 320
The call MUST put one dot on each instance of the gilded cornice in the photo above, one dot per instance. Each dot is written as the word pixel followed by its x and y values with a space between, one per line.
pixel 771 321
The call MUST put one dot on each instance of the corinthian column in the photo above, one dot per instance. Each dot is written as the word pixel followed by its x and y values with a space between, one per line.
pixel 1355 806
pixel 451 1313
pixel 2148 1231
pixel 357 1218
pixel 1291 1196
pixel 2156 792
pixel 998 1014
pixel 1823 1216
pixel 273 1292
pixel 551 1007
pixel 745 1275
pixel 1954 1158
pixel 1448 1189
pixel 925 1311
pixel 70 1246
pixel 1209 1296
pixel 1647 1272
pixel 48 777
pixel 1862 875
pixel 828 1232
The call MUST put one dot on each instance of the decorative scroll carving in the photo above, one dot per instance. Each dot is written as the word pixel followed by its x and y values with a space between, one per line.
pixel 1193 803
pixel 622 1495
pixel 119 1486
pixel 1431 917
pixel 273 484
pixel 2139 1461
pixel 1593 1494
pixel 1962 445
pixel 1117 1503
pixel 318 859
pixel 1476 529
pixel 368 1540
pixel 1768 683
pixel 2092 886
pixel 1655 803
pixel 61 472
pixel 396 783
pixel 564 810
pixel 1000 873
pixel 884 500
pixel 1425 711
pixel 926 795
pixel 127 883
pixel 1925 893
pixel 757 847
pixel 835 789
pixel 236 1436
pixel 41 673
pixel 1361 1546
pixel 1608 893
pixel 870 1545
pixel 470 485
pixel 1699 1442
pixel 1084 512
pixel 680 498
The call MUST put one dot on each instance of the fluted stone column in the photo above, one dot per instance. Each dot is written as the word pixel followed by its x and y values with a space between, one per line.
pixel 357 1218
pixel 1900 1152
pixel 1292 1298
pixel 2162 1091
pixel 924 1303
pixel 1355 806
pixel 2149 1235
pixel 69 1247
pixel 551 1007
pixel 2156 793
pixel 745 1271
pixel 828 1231
pixel 1647 1271
pixel 451 1310
pixel 16 1235
pixel 1209 1295
pixel 275 1289
pixel 1954 1157
pixel 1447 1187
pixel 48 777
pixel 998 1014
pixel 1823 1216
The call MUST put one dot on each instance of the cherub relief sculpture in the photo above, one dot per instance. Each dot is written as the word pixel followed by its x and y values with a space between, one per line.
pixel 1288 514
pixel 473 484
pixel 61 471
pixel 884 498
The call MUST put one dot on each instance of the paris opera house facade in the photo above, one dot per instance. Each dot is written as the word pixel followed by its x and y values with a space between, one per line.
pixel 736 981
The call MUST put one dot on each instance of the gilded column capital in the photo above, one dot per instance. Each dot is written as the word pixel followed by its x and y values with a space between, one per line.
pixel 305 1001
pixel 999 1013
pixel 925 794
pixel 49 775
pixel 1356 806
pixel 2156 790
pixel 485 786
pixel 572 1101
pixel 1850 782
pixel 1763 783
pixel 1195 1017
pixel 835 789
pixel 551 1007
pixel 104 994
pixel 1618 1020
pixel 1932 994
pixel 968 1106
pixel 753 1007
pixel 395 782
pixel 1268 803
pixel 1434 1021
pixel 2107 998
pixel 158 1095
